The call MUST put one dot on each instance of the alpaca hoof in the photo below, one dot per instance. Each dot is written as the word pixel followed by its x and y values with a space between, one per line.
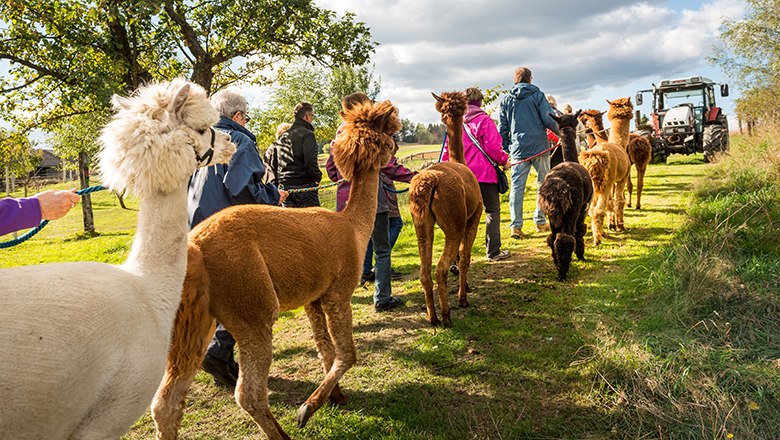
pixel 446 322
pixel 561 277
pixel 304 412
pixel 434 322
pixel 464 303
pixel 468 288
pixel 581 257
pixel 638 207
pixel 337 397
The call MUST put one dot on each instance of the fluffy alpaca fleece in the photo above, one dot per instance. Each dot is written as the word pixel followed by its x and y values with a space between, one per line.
pixel 640 152
pixel 85 343
pixel 608 165
pixel 447 194
pixel 564 197
pixel 250 262
pixel 619 115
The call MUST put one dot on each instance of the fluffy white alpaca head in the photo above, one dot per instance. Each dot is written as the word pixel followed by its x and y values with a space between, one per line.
pixel 159 136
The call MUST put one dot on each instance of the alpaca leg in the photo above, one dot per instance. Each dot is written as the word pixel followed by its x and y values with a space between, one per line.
pixel 251 394
pixel 464 258
pixel 610 208
pixel 424 230
pixel 629 187
pixel 579 234
pixel 640 182
pixel 551 242
pixel 451 243
pixel 338 310
pixel 192 331
pixel 620 205
pixel 324 344
pixel 564 245
pixel 597 218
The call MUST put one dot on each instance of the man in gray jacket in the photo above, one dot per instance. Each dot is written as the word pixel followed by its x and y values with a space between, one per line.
pixel 524 120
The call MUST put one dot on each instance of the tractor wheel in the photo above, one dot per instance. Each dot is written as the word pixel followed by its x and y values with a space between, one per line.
pixel 715 142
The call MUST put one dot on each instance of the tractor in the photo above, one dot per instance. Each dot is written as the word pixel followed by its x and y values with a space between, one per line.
pixel 686 119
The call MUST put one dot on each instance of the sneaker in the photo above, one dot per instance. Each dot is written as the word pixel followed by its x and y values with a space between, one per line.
pixel 517 234
pixel 542 227
pixel 502 255
pixel 395 275
pixel 389 305
pixel 220 370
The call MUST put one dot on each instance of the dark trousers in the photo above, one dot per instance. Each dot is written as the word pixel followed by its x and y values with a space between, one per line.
pixel 302 200
pixel 490 198
pixel 395 226
pixel 221 346
pixel 381 238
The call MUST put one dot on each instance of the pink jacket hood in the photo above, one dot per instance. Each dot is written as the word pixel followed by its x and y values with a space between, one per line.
pixel 484 130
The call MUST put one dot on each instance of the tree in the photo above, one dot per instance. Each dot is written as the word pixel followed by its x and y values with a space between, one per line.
pixel 321 87
pixel 18 157
pixel 751 55
pixel 69 57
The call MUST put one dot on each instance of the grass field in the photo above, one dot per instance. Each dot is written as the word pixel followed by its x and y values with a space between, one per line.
pixel 623 349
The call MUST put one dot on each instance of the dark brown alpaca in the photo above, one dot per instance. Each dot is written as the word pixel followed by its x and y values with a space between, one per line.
pixel 447 194
pixel 640 152
pixel 564 197
pixel 250 262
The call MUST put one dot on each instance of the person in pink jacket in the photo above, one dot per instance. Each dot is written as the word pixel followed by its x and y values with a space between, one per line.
pixel 484 130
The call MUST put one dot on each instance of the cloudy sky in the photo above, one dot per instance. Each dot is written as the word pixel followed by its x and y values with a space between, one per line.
pixel 582 52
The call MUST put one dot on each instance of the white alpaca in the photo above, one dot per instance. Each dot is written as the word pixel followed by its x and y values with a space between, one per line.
pixel 84 345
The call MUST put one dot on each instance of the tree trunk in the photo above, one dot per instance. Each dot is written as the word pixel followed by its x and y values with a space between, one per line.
pixel 121 198
pixel 86 200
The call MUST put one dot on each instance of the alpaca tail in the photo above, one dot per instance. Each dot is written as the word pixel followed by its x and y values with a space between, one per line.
pixel 193 322
pixel 421 190
pixel 639 149
pixel 555 198
pixel 596 161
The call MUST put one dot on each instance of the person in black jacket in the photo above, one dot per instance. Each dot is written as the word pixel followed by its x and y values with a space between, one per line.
pixel 297 159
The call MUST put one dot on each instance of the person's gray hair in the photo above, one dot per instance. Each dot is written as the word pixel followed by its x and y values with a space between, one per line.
pixel 228 103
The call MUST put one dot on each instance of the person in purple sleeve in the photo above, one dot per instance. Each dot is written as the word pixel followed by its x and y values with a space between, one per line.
pixel 16 214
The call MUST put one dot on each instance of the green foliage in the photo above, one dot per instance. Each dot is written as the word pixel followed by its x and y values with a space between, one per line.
pixel 76 134
pixel 321 87
pixel 69 57
pixel 17 153
pixel 751 55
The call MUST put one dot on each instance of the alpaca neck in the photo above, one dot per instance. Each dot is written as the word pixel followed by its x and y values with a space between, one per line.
pixel 569 145
pixel 619 132
pixel 361 206
pixel 598 131
pixel 160 245
pixel 455 134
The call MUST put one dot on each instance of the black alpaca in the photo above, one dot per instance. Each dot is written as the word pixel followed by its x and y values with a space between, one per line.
pixel 564 197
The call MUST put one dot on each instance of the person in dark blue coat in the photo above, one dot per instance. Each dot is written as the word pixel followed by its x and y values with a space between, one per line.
pixel 214 188
pixel 523 123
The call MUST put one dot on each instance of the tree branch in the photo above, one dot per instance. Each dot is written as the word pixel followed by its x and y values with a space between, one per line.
pixel 190 36
pixel 3 91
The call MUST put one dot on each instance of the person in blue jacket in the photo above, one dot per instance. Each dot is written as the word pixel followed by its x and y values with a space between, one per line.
pixel 216 187
pixel 523 123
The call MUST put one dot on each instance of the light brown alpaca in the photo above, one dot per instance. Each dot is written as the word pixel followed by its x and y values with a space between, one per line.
pixel 640 152
pixel 608 166
pixel 447 194
pixel 638 148
pixel 250 262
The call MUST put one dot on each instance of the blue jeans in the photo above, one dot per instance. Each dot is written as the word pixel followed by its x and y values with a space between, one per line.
pixel 519 178
pixel 396 223
pixel 381 238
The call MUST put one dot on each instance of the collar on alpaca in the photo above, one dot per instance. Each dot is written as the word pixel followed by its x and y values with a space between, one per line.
pixel 209 154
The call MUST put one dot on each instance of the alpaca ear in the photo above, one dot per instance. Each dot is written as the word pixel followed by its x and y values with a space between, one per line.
pixel 438 98
pixel 181 98
pixel 601 113
pixel 555 118
pixel 577 115
pixel 120 102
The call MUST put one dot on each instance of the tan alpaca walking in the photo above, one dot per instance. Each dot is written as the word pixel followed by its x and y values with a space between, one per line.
pixel 259 260
pixel 447 194
pixel 608 164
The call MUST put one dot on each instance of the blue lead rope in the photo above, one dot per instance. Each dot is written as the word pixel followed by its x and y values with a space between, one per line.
pixel 37 229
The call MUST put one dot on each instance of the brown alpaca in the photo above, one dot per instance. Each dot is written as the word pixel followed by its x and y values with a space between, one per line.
pixel 564 197
pixel 640 152
pixel 250 262
pixel 447 194
pixel 608 166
